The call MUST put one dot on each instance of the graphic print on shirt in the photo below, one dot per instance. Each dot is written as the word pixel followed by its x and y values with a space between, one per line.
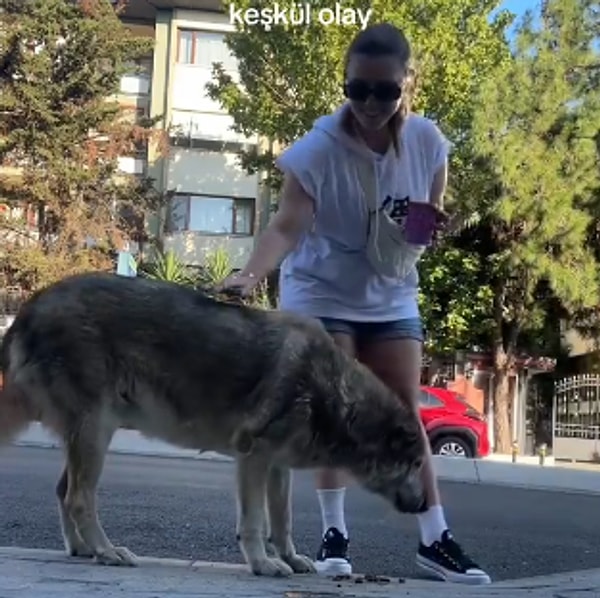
pixel 396 209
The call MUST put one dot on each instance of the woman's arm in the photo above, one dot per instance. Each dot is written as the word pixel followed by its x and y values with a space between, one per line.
pixel 294 217
pixel 438 186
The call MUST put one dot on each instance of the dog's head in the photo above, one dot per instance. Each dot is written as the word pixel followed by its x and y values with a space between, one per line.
pixel 389 441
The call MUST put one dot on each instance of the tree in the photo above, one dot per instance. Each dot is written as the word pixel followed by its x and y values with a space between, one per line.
pixel 538 121
pixel 455 300
pixel 61 134
pixel 290 75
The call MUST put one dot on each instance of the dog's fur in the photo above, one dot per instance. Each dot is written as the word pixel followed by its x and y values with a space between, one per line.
pixel 95 352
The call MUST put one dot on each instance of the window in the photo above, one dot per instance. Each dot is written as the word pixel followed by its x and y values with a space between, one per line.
pixel 136 81
pixel 212 215
pixel 427 400
pixel 204 48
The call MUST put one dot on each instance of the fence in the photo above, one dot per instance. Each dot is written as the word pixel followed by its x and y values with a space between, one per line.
pixel 576 418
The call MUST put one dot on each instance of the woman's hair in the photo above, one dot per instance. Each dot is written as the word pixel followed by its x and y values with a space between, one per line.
pixel 383 39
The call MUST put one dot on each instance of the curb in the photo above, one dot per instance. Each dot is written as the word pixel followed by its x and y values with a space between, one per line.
pixel 124 442
pixel 516 475
pixel 58 556
pixel 41 571
pixel 475 471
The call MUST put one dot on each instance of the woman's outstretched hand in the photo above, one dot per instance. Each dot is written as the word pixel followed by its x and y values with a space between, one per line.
pixel 238 284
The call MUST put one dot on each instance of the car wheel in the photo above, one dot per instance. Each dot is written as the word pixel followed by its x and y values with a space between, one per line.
pixel 452 446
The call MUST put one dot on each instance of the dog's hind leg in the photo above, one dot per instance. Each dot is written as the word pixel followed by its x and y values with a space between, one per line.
pixel 252 474
pixel 86 448
pixel 279 495
pixel 74 545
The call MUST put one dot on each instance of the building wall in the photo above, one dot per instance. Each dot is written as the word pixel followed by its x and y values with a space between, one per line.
pixel 193 247
pixel 208 173
pixel 202 159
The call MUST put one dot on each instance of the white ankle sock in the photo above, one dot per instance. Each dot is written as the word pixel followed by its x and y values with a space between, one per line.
pixel 432 524
pixel 332 509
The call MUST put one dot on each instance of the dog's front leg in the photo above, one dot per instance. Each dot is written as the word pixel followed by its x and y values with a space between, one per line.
pixel 252 474
pixel 279 495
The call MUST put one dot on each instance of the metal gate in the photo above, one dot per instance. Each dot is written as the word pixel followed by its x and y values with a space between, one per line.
pixel 576 418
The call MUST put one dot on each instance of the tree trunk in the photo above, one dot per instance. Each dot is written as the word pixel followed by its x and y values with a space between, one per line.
pixel 502 402
pixel 505 346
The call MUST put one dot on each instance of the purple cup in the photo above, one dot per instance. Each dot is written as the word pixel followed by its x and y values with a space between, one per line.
pixel 420 224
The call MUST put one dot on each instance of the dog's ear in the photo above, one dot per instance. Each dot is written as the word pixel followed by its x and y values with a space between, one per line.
pixel 353 383
pixel 404 442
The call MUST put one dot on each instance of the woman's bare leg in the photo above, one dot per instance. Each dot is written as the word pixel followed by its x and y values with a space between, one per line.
pixel 332 558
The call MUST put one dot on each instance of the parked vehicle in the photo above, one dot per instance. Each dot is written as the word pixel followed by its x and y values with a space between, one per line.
pixel 454 428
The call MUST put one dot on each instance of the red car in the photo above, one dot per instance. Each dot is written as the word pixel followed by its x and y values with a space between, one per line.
pixel 454 428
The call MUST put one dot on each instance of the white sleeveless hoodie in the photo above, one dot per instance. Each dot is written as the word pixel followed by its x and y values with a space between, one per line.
pixel 328 273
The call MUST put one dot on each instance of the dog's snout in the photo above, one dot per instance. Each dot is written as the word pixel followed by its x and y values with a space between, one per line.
pixel 413 502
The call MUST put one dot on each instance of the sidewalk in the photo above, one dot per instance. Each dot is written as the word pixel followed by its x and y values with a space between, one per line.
pixel 494 470
pixel 48 574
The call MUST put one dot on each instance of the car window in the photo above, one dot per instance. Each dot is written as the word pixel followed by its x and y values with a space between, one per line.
pixel 426 399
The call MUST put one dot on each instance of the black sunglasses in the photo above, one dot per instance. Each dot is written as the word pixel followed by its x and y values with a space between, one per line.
pixel 383 91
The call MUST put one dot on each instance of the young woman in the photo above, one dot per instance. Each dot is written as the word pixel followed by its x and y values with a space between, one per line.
pixel 322 235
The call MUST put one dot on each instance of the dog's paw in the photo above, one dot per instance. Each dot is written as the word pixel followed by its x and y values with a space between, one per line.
pixel 271 550
pixel 77 548
pixel 271 568
pixel 300 563
pixel 81 551
pixel 118 556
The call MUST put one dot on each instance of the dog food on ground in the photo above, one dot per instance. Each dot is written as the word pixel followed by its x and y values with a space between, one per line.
pixel 381 579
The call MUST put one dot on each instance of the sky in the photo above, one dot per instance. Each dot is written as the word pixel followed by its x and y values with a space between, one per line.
pixel 518 7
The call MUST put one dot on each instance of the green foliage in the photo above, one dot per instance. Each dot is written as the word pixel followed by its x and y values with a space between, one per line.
pixel 62 132
pixel 537 123
pixel 290 75
pixel 167 267
pixel 455 300
pixel 216 268
pixel 261 297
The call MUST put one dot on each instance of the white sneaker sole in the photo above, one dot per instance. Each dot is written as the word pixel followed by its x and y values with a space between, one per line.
pixel 333 567
pixel 478 578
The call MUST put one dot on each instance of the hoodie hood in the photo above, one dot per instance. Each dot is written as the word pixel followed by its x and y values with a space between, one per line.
pixel 331 125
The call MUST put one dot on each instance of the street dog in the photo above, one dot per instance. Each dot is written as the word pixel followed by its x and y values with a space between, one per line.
pixel 95 352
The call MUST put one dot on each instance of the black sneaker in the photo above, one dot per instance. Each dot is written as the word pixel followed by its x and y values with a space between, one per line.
pixel 332 558
pixel 446 560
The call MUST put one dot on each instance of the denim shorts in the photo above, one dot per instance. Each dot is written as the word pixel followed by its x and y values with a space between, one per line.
pixel 370 332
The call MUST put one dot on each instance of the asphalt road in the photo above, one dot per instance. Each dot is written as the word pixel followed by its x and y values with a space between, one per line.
pixel 185 509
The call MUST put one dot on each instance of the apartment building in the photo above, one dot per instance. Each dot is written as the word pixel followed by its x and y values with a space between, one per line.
pixel 215 204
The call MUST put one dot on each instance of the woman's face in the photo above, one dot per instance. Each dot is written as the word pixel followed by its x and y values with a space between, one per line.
pixel 373 87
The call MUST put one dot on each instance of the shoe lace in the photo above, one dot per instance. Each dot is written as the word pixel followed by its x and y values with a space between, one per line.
pixel 452 551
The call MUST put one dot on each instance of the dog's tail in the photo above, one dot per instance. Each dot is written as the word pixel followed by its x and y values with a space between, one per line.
pixel 15 411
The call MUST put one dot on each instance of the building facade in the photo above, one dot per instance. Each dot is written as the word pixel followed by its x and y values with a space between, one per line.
pixel 214 204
